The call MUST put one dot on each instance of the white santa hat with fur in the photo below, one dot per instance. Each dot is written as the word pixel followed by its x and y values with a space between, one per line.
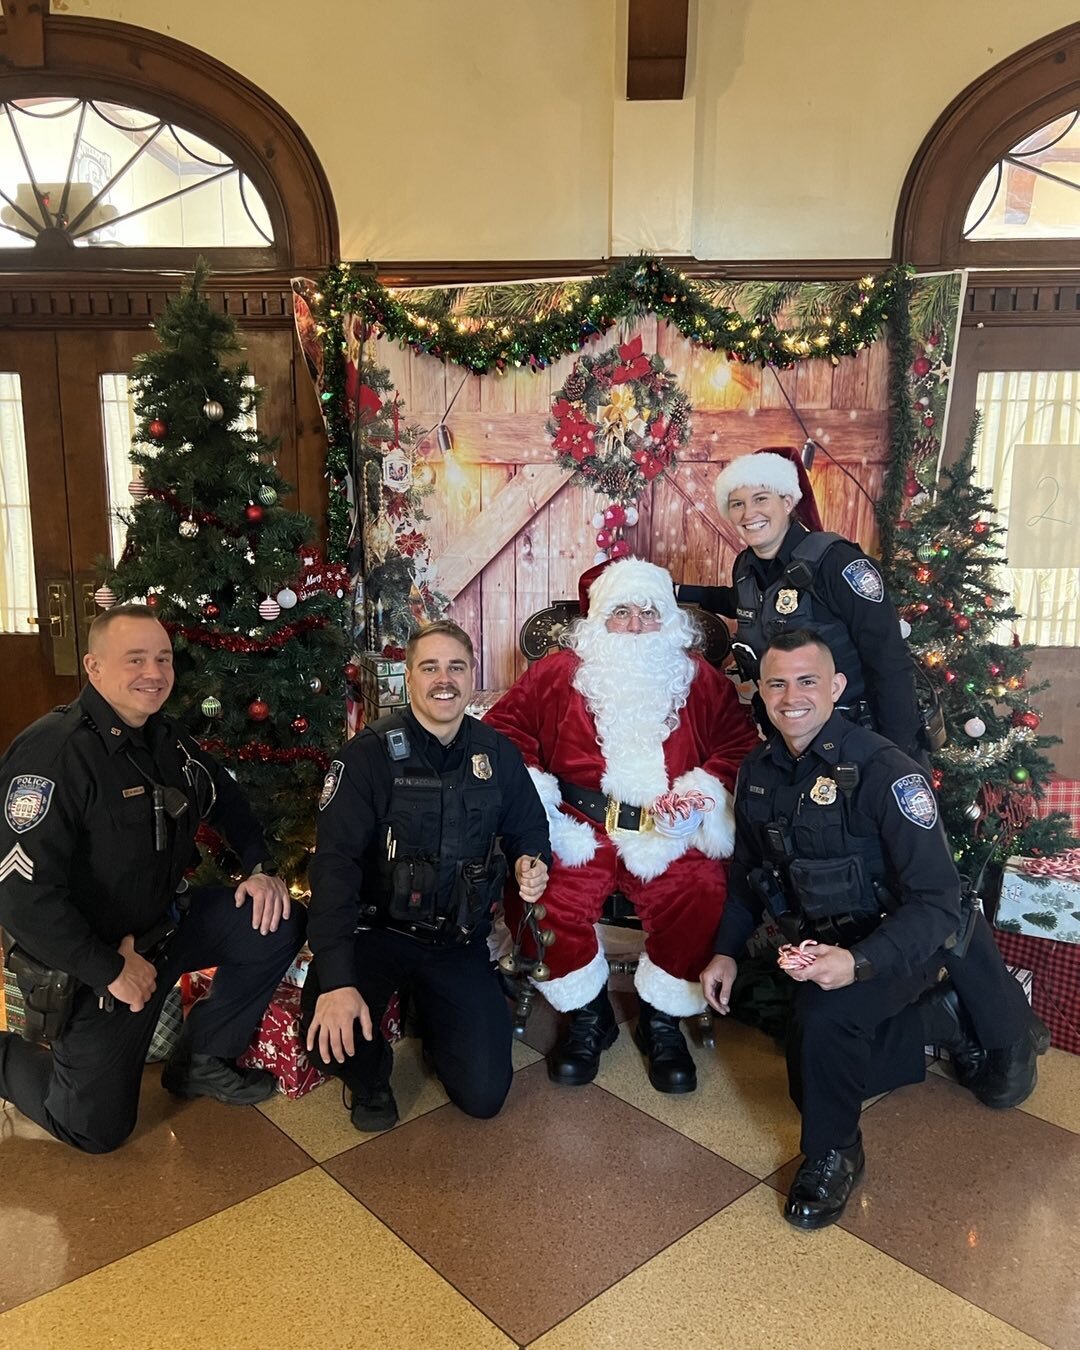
pixel 631 581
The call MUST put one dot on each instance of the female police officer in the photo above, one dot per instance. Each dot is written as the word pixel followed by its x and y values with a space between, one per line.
pixel 794 575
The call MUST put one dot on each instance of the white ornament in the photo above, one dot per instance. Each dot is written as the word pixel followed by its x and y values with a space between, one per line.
pixel 137 488
pixel 974 727
pixel 905 628
pixel 104 597
pixel 631 515
pixel 920 498
pixel 599 558
pixel 269 609
pixel 286 597
pixel 189 529
pixel 598 521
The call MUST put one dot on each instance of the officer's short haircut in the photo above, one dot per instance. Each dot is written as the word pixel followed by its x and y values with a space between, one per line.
pixel 102 623
pixel 795 640
pixel 443 628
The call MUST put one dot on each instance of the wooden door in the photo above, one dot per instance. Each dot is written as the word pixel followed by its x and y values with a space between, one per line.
pixel 65 399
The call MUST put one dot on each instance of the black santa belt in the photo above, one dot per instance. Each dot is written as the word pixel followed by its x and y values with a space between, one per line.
pixel 606 811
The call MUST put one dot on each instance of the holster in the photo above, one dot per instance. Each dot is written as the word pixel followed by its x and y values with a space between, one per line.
pixel 48 995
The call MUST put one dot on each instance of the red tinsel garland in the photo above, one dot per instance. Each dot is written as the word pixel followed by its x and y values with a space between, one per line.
pixel 265 754
pixel 200 517
pixel 233 642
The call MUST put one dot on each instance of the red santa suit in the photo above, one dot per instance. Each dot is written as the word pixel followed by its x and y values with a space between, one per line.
pixel 677 885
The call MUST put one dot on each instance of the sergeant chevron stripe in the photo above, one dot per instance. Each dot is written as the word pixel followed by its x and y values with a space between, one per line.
pixel 17 861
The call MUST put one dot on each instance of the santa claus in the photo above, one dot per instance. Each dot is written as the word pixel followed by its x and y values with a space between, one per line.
pixel 633 741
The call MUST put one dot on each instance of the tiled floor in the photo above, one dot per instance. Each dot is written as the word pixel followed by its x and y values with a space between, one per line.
pixel 607 1216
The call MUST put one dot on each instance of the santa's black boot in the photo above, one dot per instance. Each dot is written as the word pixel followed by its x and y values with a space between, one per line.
pixel 671 1066
pixel 576 1058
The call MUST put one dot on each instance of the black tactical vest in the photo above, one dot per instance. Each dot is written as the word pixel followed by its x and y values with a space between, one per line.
pixel 789 604
pixel 824 852
pixel 434 865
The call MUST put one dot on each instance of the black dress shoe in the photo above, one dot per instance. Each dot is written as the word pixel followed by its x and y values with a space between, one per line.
pixel 945 1024
pixel 822 1187
pixel 671 1066
pixel 207 1076
pixel 373 1109
pixel 1009 1075
pixel 576 1059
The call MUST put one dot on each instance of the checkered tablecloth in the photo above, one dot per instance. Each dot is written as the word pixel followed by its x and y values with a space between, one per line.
pixel 1056 990
pixel 1062 794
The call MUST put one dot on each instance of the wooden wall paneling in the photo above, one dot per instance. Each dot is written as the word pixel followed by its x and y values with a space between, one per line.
pixel 311 447
pixel 572 543
pixel 850 379
pixel 814 385
pixel 877 373
pixel 498 393
pixel 772 397
pixel 268 355
pixel 398 364
pixel 532 391
pixel 498 594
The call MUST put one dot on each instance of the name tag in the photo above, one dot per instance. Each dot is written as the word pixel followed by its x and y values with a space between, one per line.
pixel 134 792
pixel 759 790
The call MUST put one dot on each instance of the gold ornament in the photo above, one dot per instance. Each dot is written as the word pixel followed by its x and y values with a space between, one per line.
pixel 380 537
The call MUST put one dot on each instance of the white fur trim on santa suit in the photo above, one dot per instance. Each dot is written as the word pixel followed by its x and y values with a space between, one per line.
pixel 632 581
pixel 715 836
pixel 761 469
pixel 572 841
pixel 677 998
pixel 647 853
pixel 573 991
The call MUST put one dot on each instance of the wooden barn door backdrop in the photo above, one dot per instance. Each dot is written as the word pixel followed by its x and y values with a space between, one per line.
pixel 507 532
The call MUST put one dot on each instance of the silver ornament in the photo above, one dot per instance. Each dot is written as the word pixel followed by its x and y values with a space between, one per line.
pixel 267 495
pixel 315 684
pixel 212 410
pixel 286 597
pixel 189 529
pixel 973 812
pixel 974 727
pixel 211 707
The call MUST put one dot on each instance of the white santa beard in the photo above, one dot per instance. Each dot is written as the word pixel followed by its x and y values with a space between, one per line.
pixel 634 685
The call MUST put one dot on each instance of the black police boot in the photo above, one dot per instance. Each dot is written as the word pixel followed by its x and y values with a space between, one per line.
pixel 1010 1074
pixel 192 1075
pixel 576 1058
pixel 945 1024
pixel 823 1185
pixel 373 1109
pixel 671 1066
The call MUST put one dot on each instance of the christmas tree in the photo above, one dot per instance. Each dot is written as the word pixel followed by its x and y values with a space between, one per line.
pixel 236 578
pixel 990 773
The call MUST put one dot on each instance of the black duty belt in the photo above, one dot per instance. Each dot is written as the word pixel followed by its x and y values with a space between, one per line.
pixel 606 811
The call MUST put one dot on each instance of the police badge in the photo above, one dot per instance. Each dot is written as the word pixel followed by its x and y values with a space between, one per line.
pixel 787 601
pixel 823 792
pixel 28 800
pixel 481 766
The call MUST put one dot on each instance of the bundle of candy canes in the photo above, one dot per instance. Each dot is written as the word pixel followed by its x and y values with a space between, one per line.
pixel 792 958
pixel 675 806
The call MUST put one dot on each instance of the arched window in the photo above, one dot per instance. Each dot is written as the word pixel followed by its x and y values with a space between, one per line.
pixel 79 173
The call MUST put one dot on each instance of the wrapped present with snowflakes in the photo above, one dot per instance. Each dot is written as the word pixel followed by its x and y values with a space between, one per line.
pixel 1040 897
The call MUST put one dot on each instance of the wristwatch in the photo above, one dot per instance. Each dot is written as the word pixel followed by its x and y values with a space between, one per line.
pixel 863 969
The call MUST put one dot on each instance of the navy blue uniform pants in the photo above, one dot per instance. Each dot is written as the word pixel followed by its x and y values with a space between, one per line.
pixel 993 999
pixel 849 1044
pixel 85 1088
pixel 463 1014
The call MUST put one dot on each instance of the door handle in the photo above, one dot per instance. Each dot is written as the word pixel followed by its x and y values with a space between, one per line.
pixel 61 627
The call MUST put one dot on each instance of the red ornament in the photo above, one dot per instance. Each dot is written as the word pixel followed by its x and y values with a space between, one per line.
pixel 253 512
pixel 961 623
pixel 152 601
pixel 620 549
pixel 950 677
pixel 928 420
pixel 980 527
pixel 988 602
pixel 912 487
pixel 615 515
pixel 921 366
pixel 299 725
pixel 904 525
pixel 258 710
pixel 603 539
pixel 922 607
pixel 352 672
pixel 210 610
pixel 1030 720
pixel 936 779
pixel 158 429
pixel 934 339
pixel 993 668
pixel 923 575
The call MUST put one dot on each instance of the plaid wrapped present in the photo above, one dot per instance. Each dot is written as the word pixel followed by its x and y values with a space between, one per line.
pixel 166 1033
pixel 1061 794
pixel 1056 990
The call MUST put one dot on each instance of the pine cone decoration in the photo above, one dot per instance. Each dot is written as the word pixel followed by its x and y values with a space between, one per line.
pixel 680 412
pixel 575 386
pixel 617 483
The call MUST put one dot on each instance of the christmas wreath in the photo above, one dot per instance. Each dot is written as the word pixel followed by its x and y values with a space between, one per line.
pixel 618 421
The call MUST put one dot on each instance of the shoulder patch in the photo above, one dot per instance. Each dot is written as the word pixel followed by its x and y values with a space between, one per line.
pixel 28 800
pixel 865 580
pixel 916 800
pixel 331 783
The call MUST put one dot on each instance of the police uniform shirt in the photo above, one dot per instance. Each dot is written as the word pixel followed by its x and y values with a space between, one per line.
pixel 892 800
pixel 848 587
pixel 356 797
pixel 78 865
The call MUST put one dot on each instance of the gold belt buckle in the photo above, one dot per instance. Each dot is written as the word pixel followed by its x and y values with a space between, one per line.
pixel 611 815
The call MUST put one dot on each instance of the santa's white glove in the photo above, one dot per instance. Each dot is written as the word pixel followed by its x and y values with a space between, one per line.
pixel 678 827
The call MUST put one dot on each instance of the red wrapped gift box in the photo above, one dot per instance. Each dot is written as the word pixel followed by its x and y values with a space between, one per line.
pixel 1056 993
pixel 1062 794
pixel 277 1045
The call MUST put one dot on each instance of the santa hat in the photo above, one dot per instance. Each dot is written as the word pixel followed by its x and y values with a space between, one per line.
pixel 586 580
pixel 778 468
pixel 629 581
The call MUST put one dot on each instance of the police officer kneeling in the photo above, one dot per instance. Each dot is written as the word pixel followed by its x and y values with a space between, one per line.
pixel 837 835
pixel 102 800
pixel 405 873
